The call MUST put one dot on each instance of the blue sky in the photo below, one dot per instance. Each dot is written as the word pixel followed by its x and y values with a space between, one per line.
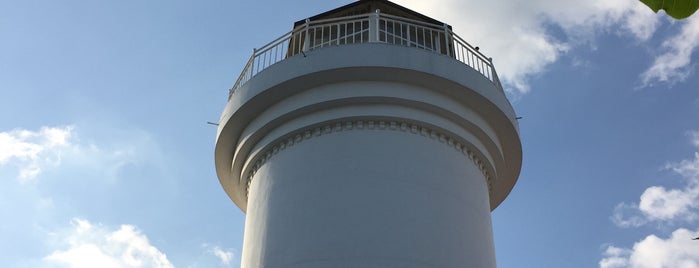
pixel 106 159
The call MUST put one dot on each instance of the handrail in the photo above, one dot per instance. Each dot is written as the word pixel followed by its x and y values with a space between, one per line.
pixel 330 20
pixel 366 28
pixel 436 26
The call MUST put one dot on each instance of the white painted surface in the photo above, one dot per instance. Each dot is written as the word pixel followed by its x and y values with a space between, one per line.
pixel 368 198
pixel 326 193
pixel 438 74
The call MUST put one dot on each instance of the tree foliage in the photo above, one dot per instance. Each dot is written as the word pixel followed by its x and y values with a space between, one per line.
pixel 678 9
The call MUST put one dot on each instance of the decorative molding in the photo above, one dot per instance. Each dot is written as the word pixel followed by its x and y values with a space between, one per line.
pixel 387 125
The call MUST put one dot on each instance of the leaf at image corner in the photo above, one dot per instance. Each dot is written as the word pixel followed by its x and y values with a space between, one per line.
pixel 678 9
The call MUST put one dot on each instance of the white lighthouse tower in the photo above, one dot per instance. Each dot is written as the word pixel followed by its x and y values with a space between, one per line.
pixel 368 136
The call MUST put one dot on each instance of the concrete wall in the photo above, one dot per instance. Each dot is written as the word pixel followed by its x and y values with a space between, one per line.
pixel 355 196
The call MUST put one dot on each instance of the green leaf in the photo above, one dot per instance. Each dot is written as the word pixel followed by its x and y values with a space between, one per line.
pixel 678 9
pixel 654 5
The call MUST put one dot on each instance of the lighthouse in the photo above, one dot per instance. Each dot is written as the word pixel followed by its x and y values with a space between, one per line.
pixel 368 136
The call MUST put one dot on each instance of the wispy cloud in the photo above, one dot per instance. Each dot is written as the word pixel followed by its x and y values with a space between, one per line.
pixel 678 250
pixel 694 138
pixel 225 256
pixel 674 62
pixel 30 154
pixel 31 151
pixel 628 215
pixel 615 257
pixel 89 245
pixel 518 35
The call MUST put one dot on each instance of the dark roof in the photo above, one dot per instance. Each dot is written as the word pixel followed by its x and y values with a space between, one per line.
pixel 367 6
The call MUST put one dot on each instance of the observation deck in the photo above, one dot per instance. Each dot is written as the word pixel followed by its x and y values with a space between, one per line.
pixel 374 27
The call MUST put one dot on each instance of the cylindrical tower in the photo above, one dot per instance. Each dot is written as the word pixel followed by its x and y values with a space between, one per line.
pixel 368 136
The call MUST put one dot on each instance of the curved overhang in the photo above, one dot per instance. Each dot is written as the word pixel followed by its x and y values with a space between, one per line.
pixel 380 63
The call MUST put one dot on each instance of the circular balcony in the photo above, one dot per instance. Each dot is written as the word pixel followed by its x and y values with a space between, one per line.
pixel 367 28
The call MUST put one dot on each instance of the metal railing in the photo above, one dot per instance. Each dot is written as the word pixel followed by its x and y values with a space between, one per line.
pixel 366 28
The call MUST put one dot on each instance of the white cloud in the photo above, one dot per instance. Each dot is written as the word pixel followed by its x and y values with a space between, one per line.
pixel 517 34
pixel 30 154
pixel 225 256
pixel 660 204
pixel 98 246
pixel 628 215
pixel 615 257
pixel 694 138
pixel 30 151
pixel 674 64
pixel 679 250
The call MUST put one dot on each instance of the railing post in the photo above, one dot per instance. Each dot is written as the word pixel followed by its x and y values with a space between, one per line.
pixel 447 40
pixel 374 26
pixel 252 64
pixel 307 38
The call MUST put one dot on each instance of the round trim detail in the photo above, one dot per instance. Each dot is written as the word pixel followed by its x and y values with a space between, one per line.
pixel 353 125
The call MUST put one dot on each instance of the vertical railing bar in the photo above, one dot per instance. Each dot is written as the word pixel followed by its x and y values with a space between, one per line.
pixel 469 55
pixel 407 35
pixel 388 34
pixel 254 51
pixel 312 42
pixel 398 33
pixel 307 38
pixel 403 38
pixel 257 66
pixel 256 63
pixel 385 30
pixel 470 60
pixel 429 45
pixel 474 60
pixel 459 54
pixel 447 39
pixel 354 37
pixel 346 33
pixel 268 53
pixel 283 50
pixel 395 33
pixel 480 65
